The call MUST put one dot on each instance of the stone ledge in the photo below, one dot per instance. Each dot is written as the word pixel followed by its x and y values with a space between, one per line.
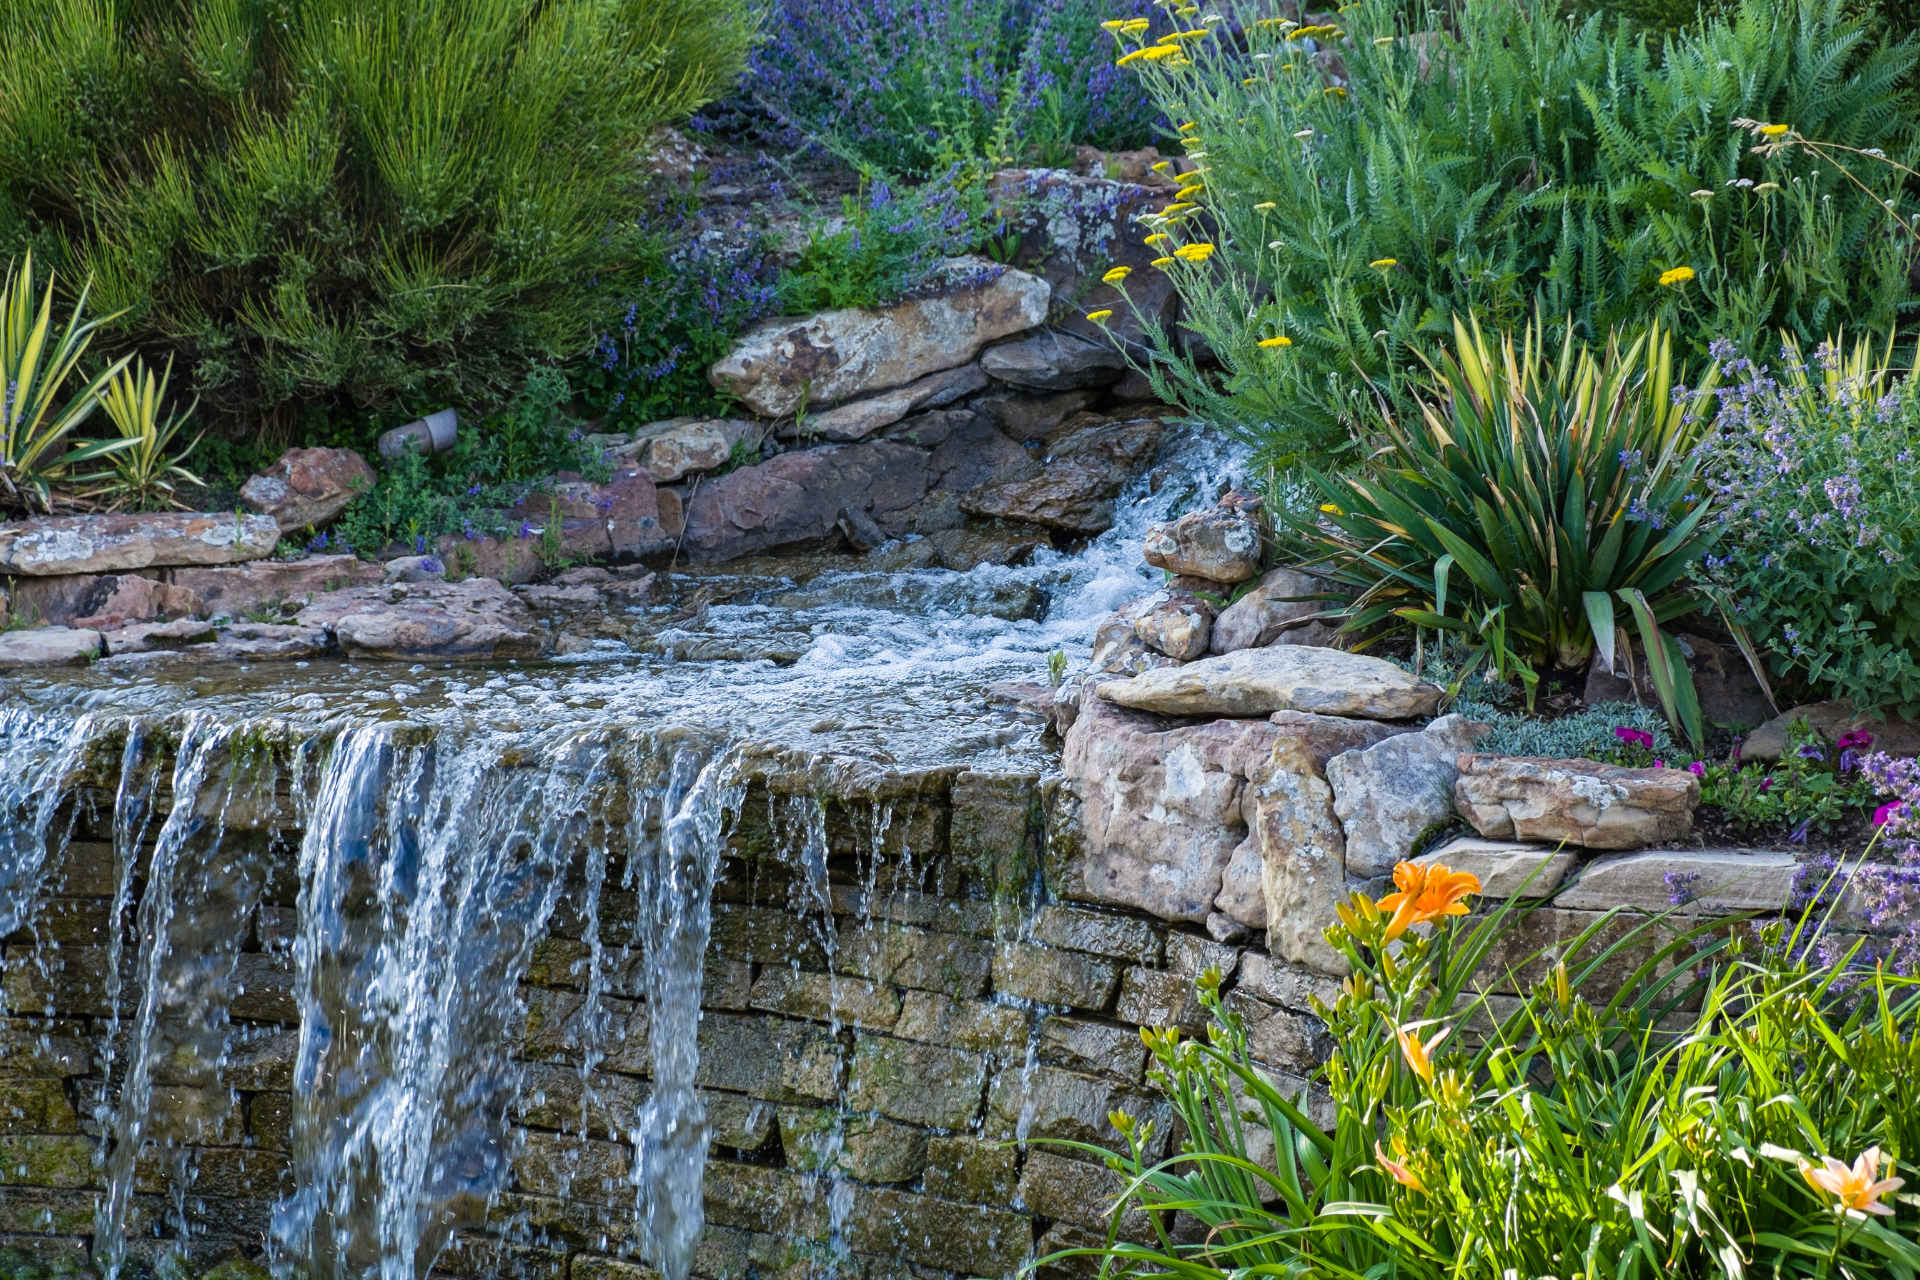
pixel 1688 882
pixel 1505 868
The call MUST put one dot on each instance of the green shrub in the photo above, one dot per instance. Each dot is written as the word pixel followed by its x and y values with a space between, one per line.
pixel 885 244
pixel 1551 1136
pixel 1527 499
pixel 1517 160
pixel 334 201
pixel 1813 468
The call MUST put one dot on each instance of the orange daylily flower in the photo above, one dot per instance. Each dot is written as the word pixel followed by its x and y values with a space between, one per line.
pixel 1420 1056
pixel 1397 1170
pixel 1428 892
pixel 1859 1188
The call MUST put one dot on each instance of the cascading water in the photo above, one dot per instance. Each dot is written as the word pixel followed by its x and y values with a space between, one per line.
pixel 442 819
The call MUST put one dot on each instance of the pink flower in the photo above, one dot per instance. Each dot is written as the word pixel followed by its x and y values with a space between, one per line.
pixel 1659 764
pixel 1697 769
pixel 1854 740
pixel 1888 811
pixel 1633 737
pixel 1766 785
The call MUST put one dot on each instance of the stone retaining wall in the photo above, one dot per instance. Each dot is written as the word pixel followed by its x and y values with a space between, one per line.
pixel 869 1048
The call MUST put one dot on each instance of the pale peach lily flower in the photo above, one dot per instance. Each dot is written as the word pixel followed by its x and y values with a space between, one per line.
pixel 1860 1188
pixel 1420 1056
pixel 1398 1171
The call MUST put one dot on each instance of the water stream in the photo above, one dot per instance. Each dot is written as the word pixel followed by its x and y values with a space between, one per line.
pixel 443 810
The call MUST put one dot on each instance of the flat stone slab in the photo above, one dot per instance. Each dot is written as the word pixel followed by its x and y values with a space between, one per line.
pixel 1259 682
pixel 1504 866
pixel 1583 802
pixel 112 543
pixel 1687 881
pixel 476 620
pixel 49 647
pixel 235 590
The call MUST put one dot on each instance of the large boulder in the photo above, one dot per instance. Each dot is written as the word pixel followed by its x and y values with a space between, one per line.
pixel 1221 543
pixel 238 590
pixel 838 356
pixel 118 599
pixel 50 545
pixel 308 487
pixel 1087 460
pixel 48 647
pixel 1583 802
pixel 475 620
pixel 796 498
pixel 1892 735
pixel 1258 682
pixel 1276 612
pixel 1051 360
pixel 1075 229
pixel 862 418
pixel 1161 807
pixel 1391 793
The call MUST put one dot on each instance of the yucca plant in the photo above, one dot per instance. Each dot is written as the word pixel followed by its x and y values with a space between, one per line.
pixel 34 420
pixel 1533 495
pixel 141 475
pixel 1693 1124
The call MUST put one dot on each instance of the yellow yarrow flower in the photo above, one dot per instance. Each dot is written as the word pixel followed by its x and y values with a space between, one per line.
pixel 1098 316
pixel 1181 207
pixel 1125 58
pixel 1281 341
pixel 1134 26
pixel 1113 24
pixel 1263 206
pixel 1679 275
pixel 1773 130
pixel 1116 275
pixel 1382 41
pixel 1384 262
pixel 1335 92
pixel 1155 52
pixel 1188 125
pixel 1154 239
pixel 1162 167
pixel 1188 193
pixel 1194 252
pixel 1163 263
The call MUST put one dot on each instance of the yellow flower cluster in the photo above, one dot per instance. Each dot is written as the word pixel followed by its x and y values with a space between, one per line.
pixel 1679 275
pixel 1194 252
pixel 1383 263
pixel 1281 340
pixel 1116 275
pixel 1098 316
pixel 1324 32
pixel 1773 130
pixel 1163 263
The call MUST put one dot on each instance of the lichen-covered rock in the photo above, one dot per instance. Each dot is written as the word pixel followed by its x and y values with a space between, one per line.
pixel 1160 807
pixel 1177 624
pixel 1258 682
pixel 1389 794
pixel 472 621
pixel 50 545
pixel 308 487
pixel 1276 612
pixel 1221 543
pixel 1088 459
pixel 837 356
pixel 1583 802
pixel 246 588
pixel 1303 855
pixel 862 418
pixel 1686 882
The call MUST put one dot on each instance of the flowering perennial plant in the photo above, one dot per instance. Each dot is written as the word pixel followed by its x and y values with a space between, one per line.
pixel 1813 469
pixel 1593 1131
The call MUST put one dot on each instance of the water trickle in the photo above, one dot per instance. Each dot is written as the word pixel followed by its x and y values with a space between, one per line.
pixel 38 756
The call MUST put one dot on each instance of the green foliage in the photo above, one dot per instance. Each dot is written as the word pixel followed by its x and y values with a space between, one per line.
pixel 143 476
pixel 1815 783
pixel 1518 160
pixel 1586 734
pixel 489 484
pixel 885 244
pixel 326 200
pixel 911 86
pixel 1813 468
pixel 34 421
pixel 1529 493
pixel 1568 1137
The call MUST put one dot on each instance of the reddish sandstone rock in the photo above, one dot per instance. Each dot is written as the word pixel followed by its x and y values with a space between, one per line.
pixel 475 620
pixel 61 545
pixel 797 498
pixel 308 486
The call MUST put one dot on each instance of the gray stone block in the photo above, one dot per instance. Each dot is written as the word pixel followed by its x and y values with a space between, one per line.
pixel 841 1000
pixel 1096 1048
pixel 768 1058
pixel 971 1239
pixel 974 1025
pixel 865 1148
pixel 918 1083
pixel 1157 998
pixel 952 963
pixel 1048 976
pixel 960 1167
pixel 1103 933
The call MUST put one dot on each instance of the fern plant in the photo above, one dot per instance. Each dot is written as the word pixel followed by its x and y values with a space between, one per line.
pixel 332 202
pixel 1362 182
